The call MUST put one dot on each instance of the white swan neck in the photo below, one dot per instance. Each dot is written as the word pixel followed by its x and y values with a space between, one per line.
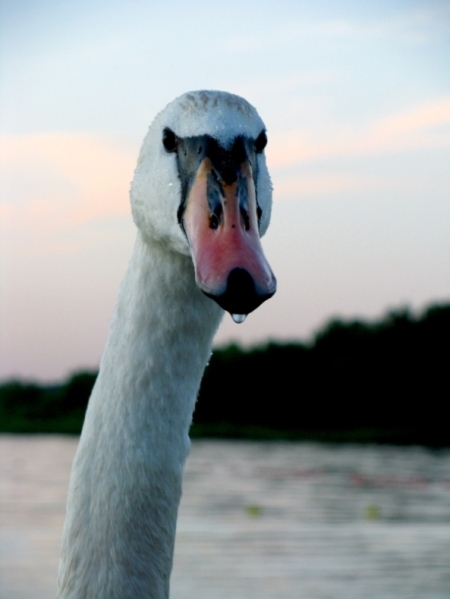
pixel 126 480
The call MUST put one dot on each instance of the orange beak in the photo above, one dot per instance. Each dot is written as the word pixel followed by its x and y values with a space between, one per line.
pixel 221 224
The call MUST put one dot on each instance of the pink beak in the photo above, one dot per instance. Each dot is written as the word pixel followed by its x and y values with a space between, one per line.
pixel 230 266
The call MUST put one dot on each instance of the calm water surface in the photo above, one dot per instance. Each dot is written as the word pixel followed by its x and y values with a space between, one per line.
pixel 257 520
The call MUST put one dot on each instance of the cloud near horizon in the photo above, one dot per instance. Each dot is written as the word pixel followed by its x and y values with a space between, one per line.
pixel 422 127
pixel 56 180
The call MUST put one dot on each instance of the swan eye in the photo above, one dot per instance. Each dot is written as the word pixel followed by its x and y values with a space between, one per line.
pixel 260 142
pixel 170 140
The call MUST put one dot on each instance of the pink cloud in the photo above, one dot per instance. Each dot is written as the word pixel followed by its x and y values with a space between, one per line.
pixel 419 128
pixel 60 179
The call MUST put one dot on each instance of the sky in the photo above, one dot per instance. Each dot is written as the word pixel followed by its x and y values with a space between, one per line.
pixel 356 100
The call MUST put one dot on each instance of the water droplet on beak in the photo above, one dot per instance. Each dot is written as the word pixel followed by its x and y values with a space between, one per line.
pixel 238 318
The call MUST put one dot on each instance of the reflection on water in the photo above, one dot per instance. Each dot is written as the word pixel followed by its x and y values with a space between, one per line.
pixel 257 521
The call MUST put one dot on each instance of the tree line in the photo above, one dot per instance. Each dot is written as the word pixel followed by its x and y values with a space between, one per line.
pixel 384 382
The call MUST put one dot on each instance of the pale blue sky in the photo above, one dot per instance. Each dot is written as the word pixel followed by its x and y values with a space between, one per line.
pixel 356 99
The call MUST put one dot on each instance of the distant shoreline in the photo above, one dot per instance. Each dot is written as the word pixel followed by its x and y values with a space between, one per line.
pixel 356 382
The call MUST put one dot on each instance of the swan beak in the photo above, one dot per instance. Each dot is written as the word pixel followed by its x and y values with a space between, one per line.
pixel 221 224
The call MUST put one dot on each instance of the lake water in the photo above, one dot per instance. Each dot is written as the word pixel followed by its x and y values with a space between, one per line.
pixel 257 520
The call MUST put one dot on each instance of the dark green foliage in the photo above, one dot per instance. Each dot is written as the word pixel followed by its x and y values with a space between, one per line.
pixel 385 382
pixel 26 407
pixel 382 382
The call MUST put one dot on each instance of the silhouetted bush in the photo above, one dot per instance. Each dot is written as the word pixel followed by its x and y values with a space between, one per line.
pixel 26 407
pixel 381 382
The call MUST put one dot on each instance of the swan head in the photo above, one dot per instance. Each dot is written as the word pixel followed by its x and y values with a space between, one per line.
pixel 202 188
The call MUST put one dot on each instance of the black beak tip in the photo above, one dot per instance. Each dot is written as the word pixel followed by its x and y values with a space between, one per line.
pixel 241 295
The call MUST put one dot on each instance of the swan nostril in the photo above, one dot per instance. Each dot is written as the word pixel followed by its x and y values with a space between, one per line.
pixel 213 221
pixel 245 218
pixel 215 217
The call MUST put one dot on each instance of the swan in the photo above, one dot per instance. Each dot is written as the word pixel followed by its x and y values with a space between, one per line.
pixel 201 199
